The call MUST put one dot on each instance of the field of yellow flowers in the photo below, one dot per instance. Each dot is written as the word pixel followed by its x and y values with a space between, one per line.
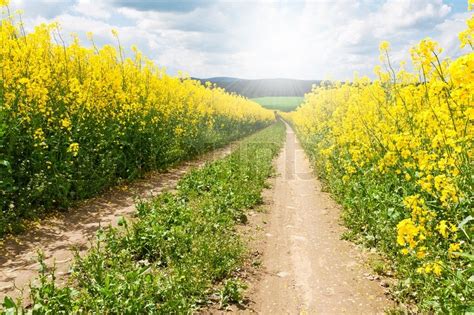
pixel 398 153
pixel 74 120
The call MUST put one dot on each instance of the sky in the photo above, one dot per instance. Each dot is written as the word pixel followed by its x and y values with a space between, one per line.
pixel 312 39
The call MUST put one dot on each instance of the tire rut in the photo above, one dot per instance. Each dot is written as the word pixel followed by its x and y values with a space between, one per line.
pixel 308 269
pixel 57 235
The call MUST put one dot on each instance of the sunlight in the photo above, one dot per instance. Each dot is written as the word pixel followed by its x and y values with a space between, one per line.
pixel 277 45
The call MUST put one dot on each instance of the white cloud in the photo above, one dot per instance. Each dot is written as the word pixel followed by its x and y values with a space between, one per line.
pixel 94 9
pixel 446 34
pixel 396 14
pixel 302 39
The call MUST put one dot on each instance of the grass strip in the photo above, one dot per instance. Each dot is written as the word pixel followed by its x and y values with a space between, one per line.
pixel 178 249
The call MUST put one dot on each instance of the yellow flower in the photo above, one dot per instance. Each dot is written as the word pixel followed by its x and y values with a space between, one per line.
pixel 405 153
pixel 40 138
pixel 437 268
pixel 73 148
pixel 4 3
pixel 442 228
pixel 454 247
pixel 384 46
pixel 466 37
pixel 65 123
pixel 421 253
pixel 407 232
pixel 428 268
pixel 453 228
pixel 39 135
pixel 178 131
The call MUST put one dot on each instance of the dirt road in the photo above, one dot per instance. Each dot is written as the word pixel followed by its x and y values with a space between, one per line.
pixel 77 228
pixel 308 268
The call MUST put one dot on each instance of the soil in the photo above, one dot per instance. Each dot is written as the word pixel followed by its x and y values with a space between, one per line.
pixel 306 268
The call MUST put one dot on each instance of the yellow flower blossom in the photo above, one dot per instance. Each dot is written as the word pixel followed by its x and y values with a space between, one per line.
pixel 466 37
pixel 74 149
pixel 437 268
pixel 421 253
pixel 407 232
pixel 39 135
pixel 65 123
pixel 454 247
pixel 384 46
pixel 442 228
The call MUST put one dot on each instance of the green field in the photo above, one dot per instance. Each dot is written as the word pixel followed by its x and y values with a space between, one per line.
pixel 283 103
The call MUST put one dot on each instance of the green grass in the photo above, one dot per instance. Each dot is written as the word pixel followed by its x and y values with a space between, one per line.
pixel 180 248
pixel 283 103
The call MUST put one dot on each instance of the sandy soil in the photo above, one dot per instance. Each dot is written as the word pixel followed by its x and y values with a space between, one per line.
pixel 307 268
pixel 77 227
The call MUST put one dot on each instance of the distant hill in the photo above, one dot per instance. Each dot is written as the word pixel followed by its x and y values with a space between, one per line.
pixel 263 87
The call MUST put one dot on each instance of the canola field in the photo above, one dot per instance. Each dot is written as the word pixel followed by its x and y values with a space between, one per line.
pixel 398 153
pixel 75 119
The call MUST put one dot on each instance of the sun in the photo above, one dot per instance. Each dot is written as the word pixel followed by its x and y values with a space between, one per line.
pixel 277 45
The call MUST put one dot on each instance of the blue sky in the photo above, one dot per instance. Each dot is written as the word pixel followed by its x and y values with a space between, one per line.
pixel 320 39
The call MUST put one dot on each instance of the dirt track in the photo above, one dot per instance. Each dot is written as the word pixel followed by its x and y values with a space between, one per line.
pixel 77 228
pixel 308 269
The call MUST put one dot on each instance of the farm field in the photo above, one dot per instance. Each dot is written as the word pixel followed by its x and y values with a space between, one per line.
pixel 70 129
pixel 281 103
pixel 130 186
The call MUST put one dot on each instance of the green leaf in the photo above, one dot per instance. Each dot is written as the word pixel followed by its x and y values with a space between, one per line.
pixel 465 221
pixel 121 221
pixel 468 256
pixel 8 303
pixel 5 163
